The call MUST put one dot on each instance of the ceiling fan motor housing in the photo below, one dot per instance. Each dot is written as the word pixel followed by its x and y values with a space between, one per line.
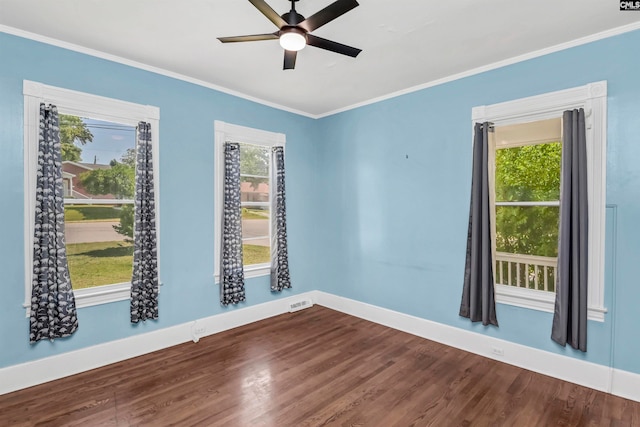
pixel 293 18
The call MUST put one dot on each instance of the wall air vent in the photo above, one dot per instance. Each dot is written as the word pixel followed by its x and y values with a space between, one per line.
pixel 300 305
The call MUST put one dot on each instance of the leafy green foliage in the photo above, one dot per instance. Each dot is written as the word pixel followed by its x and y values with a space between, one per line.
pixel 72 130
pixel 129 157
pixel 117 180
pixel 126 222
pixel 254 161
pixel 528 173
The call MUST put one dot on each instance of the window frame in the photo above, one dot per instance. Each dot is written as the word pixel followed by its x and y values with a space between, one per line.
pixel 245 135
pixel 593 98
pixel 83 105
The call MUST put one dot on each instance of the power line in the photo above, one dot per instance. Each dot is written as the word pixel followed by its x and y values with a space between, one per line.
pixel 120 128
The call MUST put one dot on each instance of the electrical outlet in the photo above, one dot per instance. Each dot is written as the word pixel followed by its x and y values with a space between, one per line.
pixel 497 351
pixel 198 330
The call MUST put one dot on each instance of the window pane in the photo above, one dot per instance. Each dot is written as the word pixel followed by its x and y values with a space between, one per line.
pixel 98 164
pixel 255 235
pixel 98 158
pixel 97 253
pixel 254 160
pixel 527 230
pixel 528 173
pixel 525 271
pixel 255 254
pixel 254 189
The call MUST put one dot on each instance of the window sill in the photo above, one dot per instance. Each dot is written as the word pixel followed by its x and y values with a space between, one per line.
pixel 99 295
pixel 538 300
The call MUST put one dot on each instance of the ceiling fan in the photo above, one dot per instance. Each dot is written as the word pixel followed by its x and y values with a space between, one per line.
pixel 294 30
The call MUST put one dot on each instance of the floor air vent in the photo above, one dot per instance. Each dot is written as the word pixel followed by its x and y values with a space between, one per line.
pixel 300 305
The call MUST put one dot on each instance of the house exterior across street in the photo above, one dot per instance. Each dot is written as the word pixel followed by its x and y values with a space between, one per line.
pixel 73 188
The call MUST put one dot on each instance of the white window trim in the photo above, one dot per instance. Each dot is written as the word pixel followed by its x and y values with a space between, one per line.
pixel 593 98
pixel 230 132
pixel 84 105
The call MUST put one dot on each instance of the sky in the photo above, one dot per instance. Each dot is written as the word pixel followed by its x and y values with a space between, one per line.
pixel 110 141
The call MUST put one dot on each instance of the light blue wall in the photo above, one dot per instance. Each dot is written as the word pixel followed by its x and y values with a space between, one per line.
pixel 377 196
pixel 396 180
pixel 187 113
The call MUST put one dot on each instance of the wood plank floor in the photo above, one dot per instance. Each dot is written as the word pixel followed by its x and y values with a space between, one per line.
pixel 316 367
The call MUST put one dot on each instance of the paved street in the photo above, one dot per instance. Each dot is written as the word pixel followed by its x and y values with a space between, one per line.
pixel 88 231
pixel 256 228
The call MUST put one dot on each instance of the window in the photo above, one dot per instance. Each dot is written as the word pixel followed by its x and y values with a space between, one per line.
pixel 525 160
pixel 256 193
pixel 98 146
pixel 527 199
pixel 99 157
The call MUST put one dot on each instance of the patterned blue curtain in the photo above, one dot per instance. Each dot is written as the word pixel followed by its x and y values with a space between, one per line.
pixel 231 267
pixel 53 307
pixel 279 252
pixel 144 280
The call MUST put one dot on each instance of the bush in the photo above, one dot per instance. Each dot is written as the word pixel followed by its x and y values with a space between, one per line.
pixel 126 222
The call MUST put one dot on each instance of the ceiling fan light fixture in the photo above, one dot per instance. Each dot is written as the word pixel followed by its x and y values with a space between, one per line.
pixel 293 39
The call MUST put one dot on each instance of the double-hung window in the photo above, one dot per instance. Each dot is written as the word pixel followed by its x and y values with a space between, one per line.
pixel 525 150
pixel 98 144
pixel 256 192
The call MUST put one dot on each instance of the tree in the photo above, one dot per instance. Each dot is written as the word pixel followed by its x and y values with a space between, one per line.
pixel 72 130
pixel 118 180
pixel 129 157
pixel 528 173
pixel 254 161
pixel 126 222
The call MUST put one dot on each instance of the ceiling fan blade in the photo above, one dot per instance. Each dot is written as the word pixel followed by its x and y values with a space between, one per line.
pixel 267 11
pixel 328 14
pixel 332 46
pixel 251 38
pixel 290 59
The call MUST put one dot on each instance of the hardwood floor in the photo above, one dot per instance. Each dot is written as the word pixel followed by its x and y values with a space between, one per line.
pixel 316 367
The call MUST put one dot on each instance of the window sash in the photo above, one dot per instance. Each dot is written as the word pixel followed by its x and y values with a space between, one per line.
pixel 537 203
pixel 246 175
pixel 72 202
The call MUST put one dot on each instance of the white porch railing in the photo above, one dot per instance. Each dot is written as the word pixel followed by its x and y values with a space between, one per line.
pixel 526 271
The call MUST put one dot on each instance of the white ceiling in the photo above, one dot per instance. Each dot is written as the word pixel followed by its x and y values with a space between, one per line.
pixel 405 43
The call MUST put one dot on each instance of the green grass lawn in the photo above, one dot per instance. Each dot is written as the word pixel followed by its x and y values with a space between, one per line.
pixel 106 263
pixel 100 263
pixel 254 214
pixel 254 254
pixel 91 213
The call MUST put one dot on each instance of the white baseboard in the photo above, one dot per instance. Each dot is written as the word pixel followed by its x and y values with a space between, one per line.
pixel 40 371
pixel 615 381
pixel 625 384
pixel 599 377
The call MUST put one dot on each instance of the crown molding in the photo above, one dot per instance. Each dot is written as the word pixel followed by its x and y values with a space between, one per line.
pixel 510 61
pixel 156 70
